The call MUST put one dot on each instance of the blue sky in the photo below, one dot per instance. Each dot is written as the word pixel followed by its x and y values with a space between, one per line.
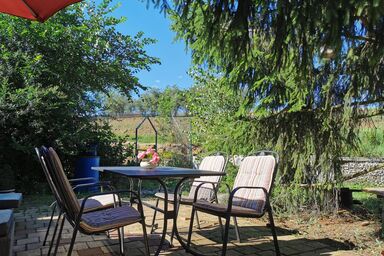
pixel 175 60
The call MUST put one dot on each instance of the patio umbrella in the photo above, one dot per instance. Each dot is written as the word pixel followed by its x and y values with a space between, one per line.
pixel 39 10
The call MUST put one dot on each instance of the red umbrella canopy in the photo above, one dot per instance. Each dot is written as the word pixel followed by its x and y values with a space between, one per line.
pixel 39 10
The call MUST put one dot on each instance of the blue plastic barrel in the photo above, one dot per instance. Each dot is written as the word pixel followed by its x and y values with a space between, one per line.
pixel 83 168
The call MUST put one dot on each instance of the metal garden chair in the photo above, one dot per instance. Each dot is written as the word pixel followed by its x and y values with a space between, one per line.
pixel 93 222
pixel 97 202
pixel 249 197
pixel 208 191
pixel 93 204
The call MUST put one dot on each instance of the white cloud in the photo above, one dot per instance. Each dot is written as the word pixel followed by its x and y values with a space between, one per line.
pixel 157 81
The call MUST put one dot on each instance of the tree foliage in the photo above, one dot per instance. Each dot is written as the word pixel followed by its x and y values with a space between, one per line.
pixel 304 105
pixel 172 101
pixel 51 77
pixel 153 102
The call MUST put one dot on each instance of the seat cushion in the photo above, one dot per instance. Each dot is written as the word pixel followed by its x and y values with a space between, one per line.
pixel 6 221
pixel 99 221
pixel 10 200
pixel 98 202
pixel 218 209
pixel 254 171
pixel 171 198
pixel 209 163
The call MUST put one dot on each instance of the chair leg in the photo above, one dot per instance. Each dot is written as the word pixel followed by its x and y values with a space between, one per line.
pixel 146 244
pixel 172 236
pixel 74 234
pixel 54 233
pixel 154 217
pixel 173 227
pixel 237 230
pixel 191 226
pixel 272 224
pixel 49 224
pixel 220 222
pixel 197 221
pixel 59 236
pixel 221 227
pixel 226 231
pixel 121 240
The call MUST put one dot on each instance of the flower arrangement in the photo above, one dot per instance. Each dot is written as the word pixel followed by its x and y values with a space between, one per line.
pixel 149 158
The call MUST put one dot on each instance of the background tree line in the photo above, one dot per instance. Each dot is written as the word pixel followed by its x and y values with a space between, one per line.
pixel 153 102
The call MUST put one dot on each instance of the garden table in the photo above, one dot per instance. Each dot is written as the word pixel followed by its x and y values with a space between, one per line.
pixel 159 174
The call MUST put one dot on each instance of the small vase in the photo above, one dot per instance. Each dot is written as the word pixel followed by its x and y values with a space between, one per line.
pixel 147 165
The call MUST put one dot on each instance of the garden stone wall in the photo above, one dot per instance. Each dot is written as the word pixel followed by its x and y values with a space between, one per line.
pixel 353 165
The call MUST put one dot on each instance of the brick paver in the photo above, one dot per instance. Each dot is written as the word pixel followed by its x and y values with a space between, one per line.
pixel 31 225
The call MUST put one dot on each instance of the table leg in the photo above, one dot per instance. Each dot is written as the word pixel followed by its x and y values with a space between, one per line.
pixel 162 184
pixel 176 205
pixel 166 217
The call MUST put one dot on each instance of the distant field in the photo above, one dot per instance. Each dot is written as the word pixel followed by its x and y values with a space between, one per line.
pixel 127 126
pixel 371 133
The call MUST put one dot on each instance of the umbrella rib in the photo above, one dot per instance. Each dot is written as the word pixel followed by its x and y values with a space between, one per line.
pixel 32 11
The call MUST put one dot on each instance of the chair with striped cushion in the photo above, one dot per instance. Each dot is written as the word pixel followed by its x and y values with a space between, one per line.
pixel 249 197
pixel 89 222
pixel 208 190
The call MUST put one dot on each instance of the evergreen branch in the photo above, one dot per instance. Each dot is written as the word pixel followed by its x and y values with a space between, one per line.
pixel 251 117
pixel 357 37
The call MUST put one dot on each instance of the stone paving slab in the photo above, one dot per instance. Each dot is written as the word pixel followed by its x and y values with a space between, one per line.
pixel 31 225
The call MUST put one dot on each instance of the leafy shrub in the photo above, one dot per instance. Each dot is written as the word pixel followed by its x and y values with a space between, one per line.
pixel 52 76
pixel 33 117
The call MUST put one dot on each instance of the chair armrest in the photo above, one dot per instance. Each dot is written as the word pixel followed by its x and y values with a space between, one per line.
pixel 228 187
pixel 232 194
pixel 201 184
pixel 82 179
pixel 100 184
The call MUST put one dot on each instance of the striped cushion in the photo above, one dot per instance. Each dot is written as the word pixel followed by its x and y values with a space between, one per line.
pixel 220 209
pixel 254 171
pixel 209 163
pixel 66 190
pixel 98 202
pixel 98 221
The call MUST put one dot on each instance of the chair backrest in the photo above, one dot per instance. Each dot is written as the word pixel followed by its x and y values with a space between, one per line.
pixel 257 170
pixel 60 180
pixel 39 153
pixel 210 163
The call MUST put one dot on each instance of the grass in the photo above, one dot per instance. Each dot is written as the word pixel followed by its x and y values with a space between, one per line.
pixel 127 126
pixel 146 138
pixel 371 142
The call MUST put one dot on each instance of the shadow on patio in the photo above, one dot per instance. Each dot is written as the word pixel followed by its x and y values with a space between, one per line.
pixel 256 238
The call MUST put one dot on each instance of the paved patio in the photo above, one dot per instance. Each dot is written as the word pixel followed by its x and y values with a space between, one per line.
pixel 31 227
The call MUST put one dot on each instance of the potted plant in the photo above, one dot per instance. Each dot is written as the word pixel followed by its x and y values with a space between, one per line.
pixel 149 158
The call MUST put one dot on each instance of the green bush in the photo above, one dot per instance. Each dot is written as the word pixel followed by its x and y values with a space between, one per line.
pixel 52 78
pixel 33 117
